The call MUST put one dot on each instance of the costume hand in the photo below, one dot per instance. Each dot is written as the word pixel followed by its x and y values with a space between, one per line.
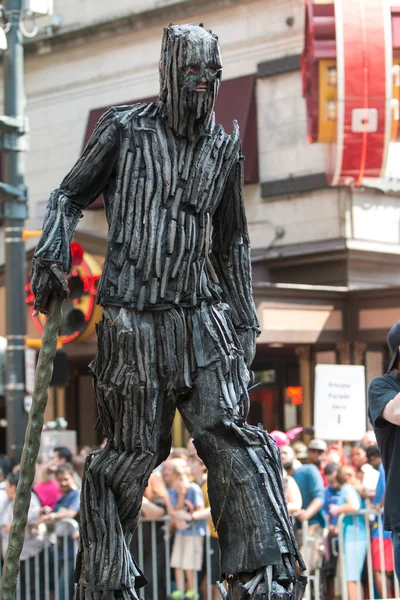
pixel 47 279
pixel 248 342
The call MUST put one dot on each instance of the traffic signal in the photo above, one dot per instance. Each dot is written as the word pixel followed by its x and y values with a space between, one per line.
pixel 80 311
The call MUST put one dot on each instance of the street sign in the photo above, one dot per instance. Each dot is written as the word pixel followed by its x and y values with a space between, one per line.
pixel 339 402
pixel 3 349
pixel 39 7
pixel 30 367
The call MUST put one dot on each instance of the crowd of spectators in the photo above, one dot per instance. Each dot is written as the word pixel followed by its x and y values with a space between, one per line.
pixel 332 482
pixel 321 482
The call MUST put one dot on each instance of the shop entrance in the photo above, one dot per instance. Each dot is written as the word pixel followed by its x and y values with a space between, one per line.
pixel 277 402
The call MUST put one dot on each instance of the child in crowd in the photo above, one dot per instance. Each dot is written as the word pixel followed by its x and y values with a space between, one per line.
pixel 354 528
pixel 187 550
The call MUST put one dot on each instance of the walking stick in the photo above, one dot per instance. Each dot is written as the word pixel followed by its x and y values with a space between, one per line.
pixel 44 371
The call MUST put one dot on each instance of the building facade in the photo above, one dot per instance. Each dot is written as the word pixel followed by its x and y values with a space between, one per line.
pixel 325 259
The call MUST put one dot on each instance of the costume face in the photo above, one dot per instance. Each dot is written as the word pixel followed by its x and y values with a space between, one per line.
pixel 190 75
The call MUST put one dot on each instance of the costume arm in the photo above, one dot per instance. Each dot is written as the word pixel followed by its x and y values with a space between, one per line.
pixel 230 258
pixel 84 183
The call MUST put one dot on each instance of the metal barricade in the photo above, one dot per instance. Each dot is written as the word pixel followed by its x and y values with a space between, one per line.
pixel 312 554
pixel 355 545
pixel 49 574
pixel 161 577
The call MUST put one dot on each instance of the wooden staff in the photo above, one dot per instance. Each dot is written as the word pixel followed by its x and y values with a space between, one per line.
pixel 44 371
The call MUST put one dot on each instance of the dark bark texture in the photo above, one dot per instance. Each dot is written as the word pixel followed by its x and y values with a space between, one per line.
pixel 178 330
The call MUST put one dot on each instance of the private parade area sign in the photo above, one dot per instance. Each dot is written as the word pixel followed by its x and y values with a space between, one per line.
pixel 339 402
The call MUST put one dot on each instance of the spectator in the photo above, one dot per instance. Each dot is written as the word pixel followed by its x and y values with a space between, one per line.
pixel 316 455
pixel 199 474
pixel 354 528
pixel 280 438
pixel 62 456
pixel 191 448
pixel 384 414
pixel 48 490
pixel 386 545
pixel 78 465
pixel 85 451
pixel 5 469
pixel 293 495
pixel 311 487
pixel 365 473
pixel 369 439
pixel 332 493
pixel 292 491
pixel 300 450
pixel 334 455
pixel 66 507
pixel 180 453
pixel 187 551
pixel 34 538
pixel 154 507
pixel 374 458
pixel 169 468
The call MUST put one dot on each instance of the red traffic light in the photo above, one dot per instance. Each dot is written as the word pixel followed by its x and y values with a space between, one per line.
pixel 76 254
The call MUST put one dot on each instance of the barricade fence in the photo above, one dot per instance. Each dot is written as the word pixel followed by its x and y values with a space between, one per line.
pixel 359 559
pixel 362 562
pixel 49 574
pixel 366 562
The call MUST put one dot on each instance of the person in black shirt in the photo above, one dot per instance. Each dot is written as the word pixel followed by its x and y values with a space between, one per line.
pixel 384 414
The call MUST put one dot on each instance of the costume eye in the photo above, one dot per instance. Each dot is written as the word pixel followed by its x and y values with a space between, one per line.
pixel 212 69
pixel 191 69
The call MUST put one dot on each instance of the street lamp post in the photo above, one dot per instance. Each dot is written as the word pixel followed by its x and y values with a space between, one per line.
pixel 14 207
pixel 14 192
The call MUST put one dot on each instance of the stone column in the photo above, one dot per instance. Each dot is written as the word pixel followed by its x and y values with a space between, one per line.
pixel 303 352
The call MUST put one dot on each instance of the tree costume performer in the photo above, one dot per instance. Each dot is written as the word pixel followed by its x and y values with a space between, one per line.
pixel 179 327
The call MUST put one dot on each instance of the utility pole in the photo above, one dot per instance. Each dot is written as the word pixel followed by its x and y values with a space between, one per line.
pixel 14 206
pixel 15 211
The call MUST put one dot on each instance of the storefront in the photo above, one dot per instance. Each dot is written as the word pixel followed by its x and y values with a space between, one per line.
pixel 301 326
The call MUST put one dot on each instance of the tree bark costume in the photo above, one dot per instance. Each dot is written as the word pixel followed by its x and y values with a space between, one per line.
pixel 178 329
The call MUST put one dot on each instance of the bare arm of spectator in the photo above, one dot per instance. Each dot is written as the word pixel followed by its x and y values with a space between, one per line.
pixel 307 513
pixel 201 513
pixel 33 513
pixel 352 504
pixel 293 496
pixel 68 513
pixel 317 493
pixel 151 511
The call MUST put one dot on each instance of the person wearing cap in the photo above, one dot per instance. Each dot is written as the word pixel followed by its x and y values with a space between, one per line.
pixel 316 454
pixel 312 491
pixel 384 414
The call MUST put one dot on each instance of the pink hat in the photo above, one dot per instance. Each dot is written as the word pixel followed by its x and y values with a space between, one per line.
pixel 291 434
pixel 280 438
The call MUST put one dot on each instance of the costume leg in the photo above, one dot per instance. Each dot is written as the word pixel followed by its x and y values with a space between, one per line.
pixel 244 471
pixel 137 417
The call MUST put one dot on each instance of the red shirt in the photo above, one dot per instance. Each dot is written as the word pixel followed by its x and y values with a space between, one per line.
pixel 48 492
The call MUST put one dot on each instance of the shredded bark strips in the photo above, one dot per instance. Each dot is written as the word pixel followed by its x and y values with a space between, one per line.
pixel 178 330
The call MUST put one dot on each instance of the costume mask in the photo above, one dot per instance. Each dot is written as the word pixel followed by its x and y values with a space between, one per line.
pixel 190 76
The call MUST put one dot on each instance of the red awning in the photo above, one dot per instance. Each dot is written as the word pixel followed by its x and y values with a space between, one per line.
pixel 236 100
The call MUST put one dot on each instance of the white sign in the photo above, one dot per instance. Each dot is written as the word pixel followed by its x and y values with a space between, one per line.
pixel 339 402
pixel 27 403
pixel 30 366
pixel 39 7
